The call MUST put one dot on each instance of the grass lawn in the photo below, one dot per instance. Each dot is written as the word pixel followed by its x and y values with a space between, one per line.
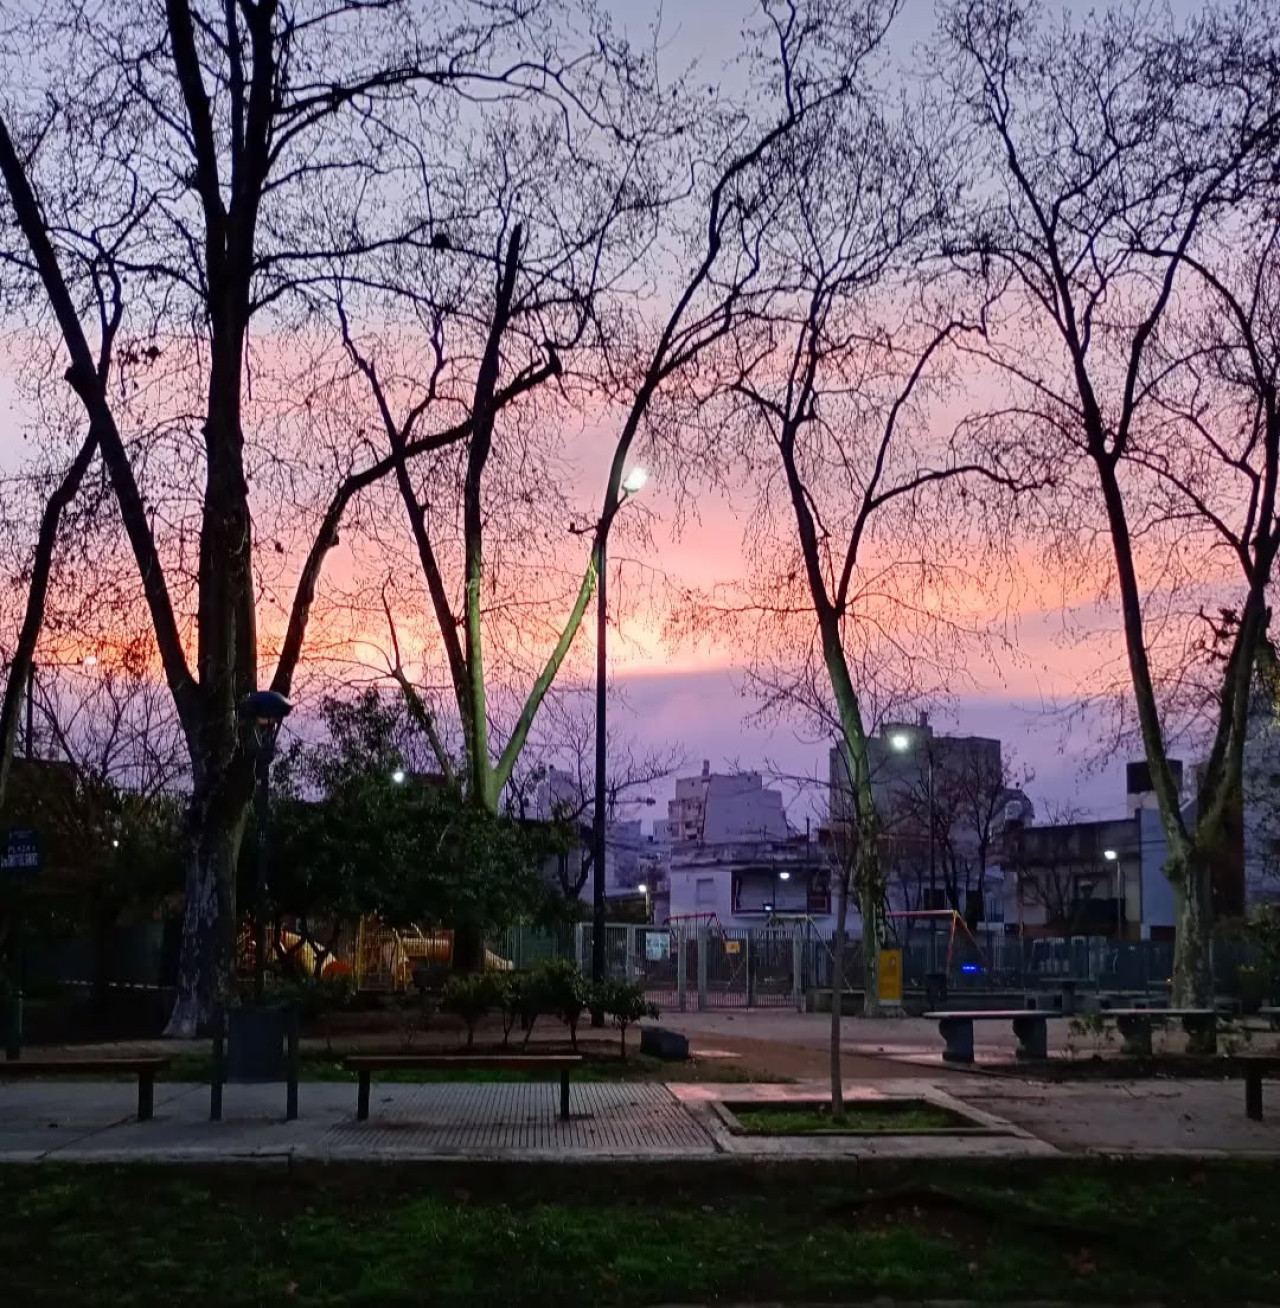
pixel 540 1235
pixel 599 1064
pixel 900 1117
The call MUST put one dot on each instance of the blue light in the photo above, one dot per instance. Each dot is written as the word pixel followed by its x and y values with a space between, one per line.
pixel 970 967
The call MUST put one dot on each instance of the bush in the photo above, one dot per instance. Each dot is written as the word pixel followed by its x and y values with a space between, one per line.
pixel 623 1002
pixel 561 990
pixel 315 996
pixel 473 996
pixel 521 1002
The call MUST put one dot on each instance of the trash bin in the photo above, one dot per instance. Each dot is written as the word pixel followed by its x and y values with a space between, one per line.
pixel 935 989
pixel 256 1048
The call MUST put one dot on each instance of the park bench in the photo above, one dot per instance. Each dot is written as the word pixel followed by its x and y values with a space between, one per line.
pixel 366 1064
pixel 1134 1025
pixel 1272 1013
pixel 144 1069
pixel 1029 1025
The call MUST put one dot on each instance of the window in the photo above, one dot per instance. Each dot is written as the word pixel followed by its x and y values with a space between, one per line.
pixel 704 892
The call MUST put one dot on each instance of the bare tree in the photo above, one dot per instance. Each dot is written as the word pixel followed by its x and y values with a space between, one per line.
pixel 177 181
pixel 832 406
pixel 1114 160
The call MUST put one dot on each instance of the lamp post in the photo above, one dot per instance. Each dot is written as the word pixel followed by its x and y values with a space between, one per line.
pixel 264 711
pixel 901 741
pixel 1113 856
pixel 632 484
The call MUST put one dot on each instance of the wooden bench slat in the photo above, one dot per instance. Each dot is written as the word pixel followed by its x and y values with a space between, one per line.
pixel 514 1062
pixel 144 1069
pixel 69 1066
pixel 367 1064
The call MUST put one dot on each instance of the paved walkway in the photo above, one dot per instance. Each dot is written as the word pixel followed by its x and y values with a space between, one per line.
pixel 518 1121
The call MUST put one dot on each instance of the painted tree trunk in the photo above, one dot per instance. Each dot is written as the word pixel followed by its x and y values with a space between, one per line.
pixel 207 958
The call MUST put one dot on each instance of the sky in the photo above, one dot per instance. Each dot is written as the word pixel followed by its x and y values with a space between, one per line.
pixel 699 699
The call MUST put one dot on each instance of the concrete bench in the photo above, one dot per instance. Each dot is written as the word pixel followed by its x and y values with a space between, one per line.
pixel 1030 1025
pixel 145 1069
pixel 366 1064
pixel 1272 1013
pixel 1134 1025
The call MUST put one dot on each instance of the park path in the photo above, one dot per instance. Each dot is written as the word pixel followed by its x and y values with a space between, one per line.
pixel 644 1122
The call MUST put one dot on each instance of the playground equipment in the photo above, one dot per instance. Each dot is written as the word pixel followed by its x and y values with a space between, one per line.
pixel 970 960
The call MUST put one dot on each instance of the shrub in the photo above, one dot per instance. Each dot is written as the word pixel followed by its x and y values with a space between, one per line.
pixel 473 996
pixel 561 990
pixel 314 995
pixel 623 1002
pixel 521 1002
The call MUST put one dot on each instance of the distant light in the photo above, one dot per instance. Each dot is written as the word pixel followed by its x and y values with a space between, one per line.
pixel 970 967
pixel 91 660
pixel 635 481
pixel 900 741
pixel 115 844
pixel 784 876
pixel 768 908
pixel 643 888
pixel 398 776
pixel 1110 855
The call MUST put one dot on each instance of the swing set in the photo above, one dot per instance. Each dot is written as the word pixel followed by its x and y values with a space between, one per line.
pixel 954 920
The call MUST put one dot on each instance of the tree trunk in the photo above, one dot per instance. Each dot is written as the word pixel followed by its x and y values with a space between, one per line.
pixel 207 957
pixel 869 900
pixel 1192 982
pixel 837 994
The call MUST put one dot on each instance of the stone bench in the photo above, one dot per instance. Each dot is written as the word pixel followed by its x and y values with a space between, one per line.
pixel 1030 1025
pixel 1134 1025
pixel 145 1069
pixel 364 1065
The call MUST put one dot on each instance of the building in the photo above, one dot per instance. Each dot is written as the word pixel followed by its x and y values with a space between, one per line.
pixel 715 807
pixel 751 883
pixel 943 803
pixel 733 856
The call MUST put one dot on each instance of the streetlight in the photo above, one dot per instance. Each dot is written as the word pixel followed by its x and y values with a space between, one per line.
pixel 643 888
pixel 264 711
pixel 632 484
pixel 1112 856
pixel 902 741
pixel 398 776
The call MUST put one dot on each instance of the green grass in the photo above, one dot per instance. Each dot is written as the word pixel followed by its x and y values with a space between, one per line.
pixel 473 1235
pixel 899 1118
pixel 597 1065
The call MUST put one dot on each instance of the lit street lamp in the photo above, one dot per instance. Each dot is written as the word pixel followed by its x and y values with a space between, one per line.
pixel 632 484
pixel 902 742
pixel 264 711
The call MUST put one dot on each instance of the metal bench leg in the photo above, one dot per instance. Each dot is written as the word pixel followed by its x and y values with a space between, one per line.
pixel 1033 1038
pixel 219 1073
pixel 362 1098
pixel 146 1096
pixel 291 1093
pixel 1253 1093
pixel 1136 1033
pixel 957 1033
pixel 564 1094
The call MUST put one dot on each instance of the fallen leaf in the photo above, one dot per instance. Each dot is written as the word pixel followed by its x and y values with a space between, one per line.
pixel 291 1287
